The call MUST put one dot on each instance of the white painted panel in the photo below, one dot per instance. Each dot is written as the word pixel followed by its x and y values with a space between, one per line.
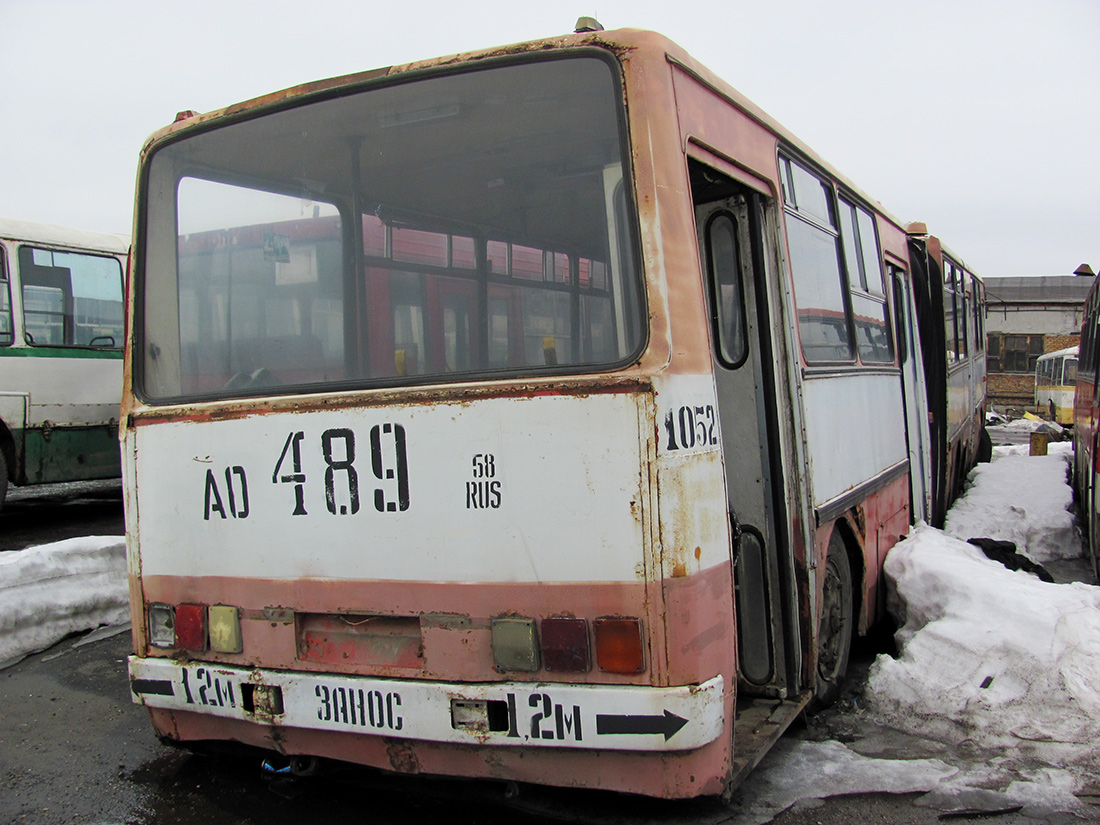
pixel 13 409
pixel 854 428
pixel 620 717
pixel 687 415
pixel 65 391
pixel 694 521
pixel 543 489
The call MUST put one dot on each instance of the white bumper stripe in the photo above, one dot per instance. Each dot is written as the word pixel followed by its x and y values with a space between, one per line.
pixel 606 717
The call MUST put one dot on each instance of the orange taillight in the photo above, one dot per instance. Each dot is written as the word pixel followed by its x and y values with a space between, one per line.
pixel 619 646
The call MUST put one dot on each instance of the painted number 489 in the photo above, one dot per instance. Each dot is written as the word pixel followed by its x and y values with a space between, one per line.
pixel 388 464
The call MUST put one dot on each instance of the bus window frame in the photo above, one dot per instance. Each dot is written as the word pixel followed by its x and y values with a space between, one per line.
pixel 865 290
pixel 68 313
pixel 721 320
pixel 624 241
pixel 787 161
pixel 9 312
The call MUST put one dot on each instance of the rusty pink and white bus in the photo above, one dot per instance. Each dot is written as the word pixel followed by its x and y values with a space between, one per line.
pixel 542 414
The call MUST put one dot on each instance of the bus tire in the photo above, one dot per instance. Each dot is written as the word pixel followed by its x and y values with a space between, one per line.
pixel 3 479
pixel 985 447
pixel 834 636
pixel 1094 556
pixel 1089 506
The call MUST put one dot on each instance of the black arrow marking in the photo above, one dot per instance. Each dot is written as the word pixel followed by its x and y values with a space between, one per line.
pixel 669 724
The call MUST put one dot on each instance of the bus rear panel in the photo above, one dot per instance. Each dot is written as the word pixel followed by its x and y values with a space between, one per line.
pixel 493 416
pixel 392 469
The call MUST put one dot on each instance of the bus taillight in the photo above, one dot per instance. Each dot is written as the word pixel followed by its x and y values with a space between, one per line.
pixel 565 645
pixel 195 627
pixel 619 646
pixel 515 644
pixel 162 625
pixel 191 626
pixel 225 628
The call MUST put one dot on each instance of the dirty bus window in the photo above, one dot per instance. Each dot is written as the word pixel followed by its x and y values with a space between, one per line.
pixel 260 290
pixel 472 224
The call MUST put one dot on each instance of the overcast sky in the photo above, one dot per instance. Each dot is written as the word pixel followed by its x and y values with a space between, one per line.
pixel 979 117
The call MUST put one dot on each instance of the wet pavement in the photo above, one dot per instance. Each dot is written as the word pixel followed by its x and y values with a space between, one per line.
pixel 75 749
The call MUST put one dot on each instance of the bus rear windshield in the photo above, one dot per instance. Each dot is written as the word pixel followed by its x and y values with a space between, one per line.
pixel 447 228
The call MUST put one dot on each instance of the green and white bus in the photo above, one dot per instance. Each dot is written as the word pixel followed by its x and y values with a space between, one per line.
pixel 61 334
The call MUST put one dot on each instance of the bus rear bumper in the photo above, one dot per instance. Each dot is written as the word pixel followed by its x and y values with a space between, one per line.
pixel 531 714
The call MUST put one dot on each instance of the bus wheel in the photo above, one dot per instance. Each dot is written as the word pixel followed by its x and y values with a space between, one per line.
pixel 985 447
pixel 1093 551
pixel 834 636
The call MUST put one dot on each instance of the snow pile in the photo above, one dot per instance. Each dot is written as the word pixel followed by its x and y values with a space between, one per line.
pixel 800 773
pixel 50 591
pixel 991 661
pixel 989 656
pixel 1028 424
pixel 1021 499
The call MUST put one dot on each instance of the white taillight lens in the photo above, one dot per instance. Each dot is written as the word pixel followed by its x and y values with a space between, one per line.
pixel 515 644
pixel 162 625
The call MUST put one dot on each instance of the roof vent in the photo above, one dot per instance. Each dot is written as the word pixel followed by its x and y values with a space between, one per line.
pixel 1084 269
pixel 588 24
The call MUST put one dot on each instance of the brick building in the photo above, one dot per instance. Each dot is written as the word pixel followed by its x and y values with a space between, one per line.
pixel 1026 317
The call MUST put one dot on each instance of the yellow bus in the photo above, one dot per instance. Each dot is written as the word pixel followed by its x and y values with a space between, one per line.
pixel 1056 383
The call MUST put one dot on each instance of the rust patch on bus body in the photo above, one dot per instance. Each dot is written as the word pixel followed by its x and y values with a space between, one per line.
pixel 367 398
pixel 402 756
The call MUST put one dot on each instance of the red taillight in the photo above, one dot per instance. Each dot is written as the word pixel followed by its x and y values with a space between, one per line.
pixel 565 645
pixel 619 645
pixel 191 626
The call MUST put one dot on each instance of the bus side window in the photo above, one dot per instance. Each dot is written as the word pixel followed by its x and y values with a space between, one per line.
pixel 866 291
pixel 949 311
pixel 71 299
pixel 6 336
pixel 815 259
pixel 1069 377
pixel 724 271
pixel 901 324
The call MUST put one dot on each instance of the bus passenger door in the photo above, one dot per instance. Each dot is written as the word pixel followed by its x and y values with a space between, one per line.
pixel 914 396
pixel 729 222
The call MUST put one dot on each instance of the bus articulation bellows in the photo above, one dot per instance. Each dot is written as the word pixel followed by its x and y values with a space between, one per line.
pixel 541 414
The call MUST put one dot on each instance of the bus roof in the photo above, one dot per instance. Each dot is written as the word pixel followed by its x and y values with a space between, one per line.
pixel 919 230
pixel 46 233
pixel 620 41
pixel 1047 356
